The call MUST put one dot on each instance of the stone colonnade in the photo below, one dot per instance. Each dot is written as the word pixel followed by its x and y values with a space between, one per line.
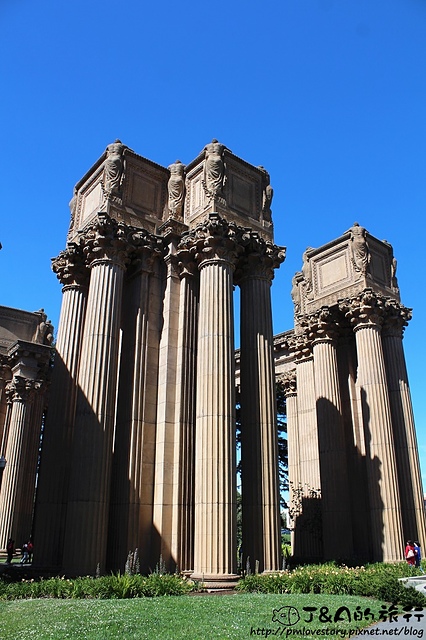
pixel 349 404
pixel 141 435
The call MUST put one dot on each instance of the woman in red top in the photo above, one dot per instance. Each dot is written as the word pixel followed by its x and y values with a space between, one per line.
pixel 410 554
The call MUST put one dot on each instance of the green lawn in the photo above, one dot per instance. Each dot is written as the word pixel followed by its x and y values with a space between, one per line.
pixel 199 617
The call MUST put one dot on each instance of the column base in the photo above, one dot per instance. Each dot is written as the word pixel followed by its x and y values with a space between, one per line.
pixel 217 581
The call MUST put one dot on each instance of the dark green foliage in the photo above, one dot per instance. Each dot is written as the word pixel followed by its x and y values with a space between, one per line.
pixel 114 586
pixel 379 581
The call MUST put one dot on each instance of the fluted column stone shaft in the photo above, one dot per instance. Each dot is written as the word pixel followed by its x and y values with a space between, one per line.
pixel 167 438
pixel 406 450
pixel 306 508
pixel 215 479
pixel 55 467
pixel 89 492
pixel 289 382
pixel 186 398
pixel 385 512
pixel 259 442
pixel 132 479
pixel 335 497
pixel 20 392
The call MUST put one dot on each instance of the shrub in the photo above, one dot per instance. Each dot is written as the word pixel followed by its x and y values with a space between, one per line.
pixel 377 581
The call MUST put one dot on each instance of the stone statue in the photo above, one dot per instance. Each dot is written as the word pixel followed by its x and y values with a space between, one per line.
pixel 359 249
pixel 307 274
pixel 267 193
pixel 394 280
pixel 44 331
pixel 214 168
pixel 176 188
pixel 295 292
pixel 113 168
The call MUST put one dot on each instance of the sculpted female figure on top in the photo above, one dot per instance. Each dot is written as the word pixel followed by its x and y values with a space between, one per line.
pixel 214 168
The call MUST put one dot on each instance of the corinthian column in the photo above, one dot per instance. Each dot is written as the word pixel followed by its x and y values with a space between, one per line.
pixel 289 383
pixel 20 395
pixel 406 451
pixel 336 513
pixel 366 315
pixel 186 397
pixel 305 507
pixel 259 442
pixel 215 491
pixel 106 250
pixel 50 511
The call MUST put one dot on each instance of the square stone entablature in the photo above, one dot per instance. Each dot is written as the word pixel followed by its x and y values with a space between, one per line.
pixel 143 194
pixel 16 324
pixel 343 268
pixel 133 190
pixel 240 198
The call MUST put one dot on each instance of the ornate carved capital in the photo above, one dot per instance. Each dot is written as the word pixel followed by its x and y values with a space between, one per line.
pixel 21 389
pixel 260 257
pixel 396 319
pixel 188 267
pixel 320 326
pixel 213 240
pixel 106 240
pixel 302 348
pixel 69 266
pixel 144 248
pixel 366 310
pixel 289 382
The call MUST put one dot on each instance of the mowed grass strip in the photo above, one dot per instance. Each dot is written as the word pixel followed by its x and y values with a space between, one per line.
pixel 199 617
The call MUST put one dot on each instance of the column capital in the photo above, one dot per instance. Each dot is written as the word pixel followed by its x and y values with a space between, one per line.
pixel 321 326
pixel 70 267
pixel 144 248
pixel 396 319
pixel 106 240
pixel 301 346
pixel 365 310
pixel 289 382
pixel 188 267
pixel 21 389
pixel 260 257
pixel 213 240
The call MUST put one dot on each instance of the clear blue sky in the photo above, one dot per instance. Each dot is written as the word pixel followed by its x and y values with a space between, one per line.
pixel 328 95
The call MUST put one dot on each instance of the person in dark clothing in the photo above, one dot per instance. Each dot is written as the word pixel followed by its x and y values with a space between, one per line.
pixel 418 552
pixel 10 548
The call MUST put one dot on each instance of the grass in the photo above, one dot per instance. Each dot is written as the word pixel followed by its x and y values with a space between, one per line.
pixel 176 618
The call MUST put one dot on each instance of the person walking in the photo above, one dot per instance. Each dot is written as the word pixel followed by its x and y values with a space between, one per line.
pixel 10 548
pixel 410 554
pixel 24 552
pixel 418 552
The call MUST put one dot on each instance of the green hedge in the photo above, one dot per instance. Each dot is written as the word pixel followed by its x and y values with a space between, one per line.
pixel 113 586
pixel 377 581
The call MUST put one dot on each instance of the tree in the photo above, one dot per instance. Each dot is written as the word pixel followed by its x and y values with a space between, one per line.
pixel 282 439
